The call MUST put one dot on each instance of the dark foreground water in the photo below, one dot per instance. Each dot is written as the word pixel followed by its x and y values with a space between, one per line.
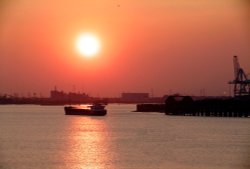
pixel 42 137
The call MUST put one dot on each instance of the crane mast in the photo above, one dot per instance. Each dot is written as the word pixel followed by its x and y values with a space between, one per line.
pixel 236 66
pixel 241 82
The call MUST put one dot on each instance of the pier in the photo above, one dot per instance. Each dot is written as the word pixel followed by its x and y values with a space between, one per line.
pixel 210 107
pixel 186 106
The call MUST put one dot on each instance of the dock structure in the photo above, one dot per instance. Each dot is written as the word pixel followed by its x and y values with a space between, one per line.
pixel 209 107
pixel 186 106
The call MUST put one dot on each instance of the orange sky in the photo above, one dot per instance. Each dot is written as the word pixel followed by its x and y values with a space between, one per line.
pixel 160 46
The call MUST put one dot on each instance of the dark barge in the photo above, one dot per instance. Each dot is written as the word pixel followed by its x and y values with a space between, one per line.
pixel 150 108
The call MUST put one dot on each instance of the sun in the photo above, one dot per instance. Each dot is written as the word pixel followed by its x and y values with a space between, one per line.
pixel 87 44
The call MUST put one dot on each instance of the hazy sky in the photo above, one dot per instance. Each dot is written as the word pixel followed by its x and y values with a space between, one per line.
pixel 159 46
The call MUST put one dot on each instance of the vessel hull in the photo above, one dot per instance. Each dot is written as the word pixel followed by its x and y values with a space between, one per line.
pixel 69 110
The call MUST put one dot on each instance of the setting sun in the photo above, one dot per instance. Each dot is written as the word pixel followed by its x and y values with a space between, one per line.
pixel 87 45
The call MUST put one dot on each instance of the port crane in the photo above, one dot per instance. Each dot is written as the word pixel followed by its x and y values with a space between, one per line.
pixel 241 82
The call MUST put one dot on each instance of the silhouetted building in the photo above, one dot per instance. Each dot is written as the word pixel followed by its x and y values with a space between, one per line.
pixel 57 95
pixel 60 96
pixel 135 95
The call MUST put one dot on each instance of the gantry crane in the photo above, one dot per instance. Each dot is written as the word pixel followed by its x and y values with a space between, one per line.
pixel 241 81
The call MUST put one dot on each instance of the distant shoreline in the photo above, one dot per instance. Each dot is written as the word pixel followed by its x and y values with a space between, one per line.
pixel 51 101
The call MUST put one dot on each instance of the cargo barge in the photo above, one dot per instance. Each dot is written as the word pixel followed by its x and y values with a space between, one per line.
pixel 90 110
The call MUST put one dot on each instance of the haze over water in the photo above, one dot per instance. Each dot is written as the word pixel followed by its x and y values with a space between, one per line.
pixel 43 137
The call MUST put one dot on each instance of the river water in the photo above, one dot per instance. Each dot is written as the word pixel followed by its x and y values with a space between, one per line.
pixel 39 137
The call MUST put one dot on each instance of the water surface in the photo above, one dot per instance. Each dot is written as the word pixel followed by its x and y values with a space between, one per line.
pixel 38 137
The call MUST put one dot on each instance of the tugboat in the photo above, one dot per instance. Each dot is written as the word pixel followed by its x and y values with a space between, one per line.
pixel 96 109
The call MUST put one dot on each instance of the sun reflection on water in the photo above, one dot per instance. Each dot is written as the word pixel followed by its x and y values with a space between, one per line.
pixel 87 144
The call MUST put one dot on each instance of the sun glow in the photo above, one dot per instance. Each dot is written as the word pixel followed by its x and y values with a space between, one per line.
pixel 88 45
